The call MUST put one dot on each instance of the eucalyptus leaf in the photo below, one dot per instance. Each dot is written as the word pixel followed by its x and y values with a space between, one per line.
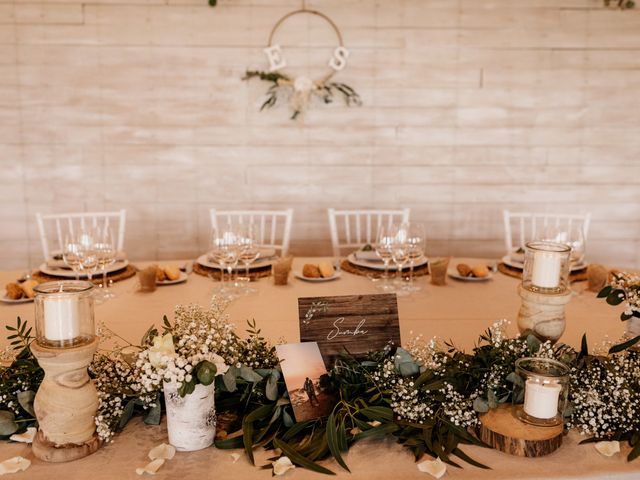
pixel 7 424
pixel 408 369
pixel 492 399
pixel 271 388
pixel 516 379
pixel 154 414
pixel 249 375
pixel 25 399
pixel 480 405
pixel 287 420
pixel 127 413
pixel 229 379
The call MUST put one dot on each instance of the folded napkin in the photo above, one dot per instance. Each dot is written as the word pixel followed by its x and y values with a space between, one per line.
pixel 367 256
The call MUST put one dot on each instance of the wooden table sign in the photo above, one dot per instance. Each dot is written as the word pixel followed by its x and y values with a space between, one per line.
pixel 355 323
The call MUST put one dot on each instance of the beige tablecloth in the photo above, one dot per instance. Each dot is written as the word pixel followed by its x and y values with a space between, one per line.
pixel 459 311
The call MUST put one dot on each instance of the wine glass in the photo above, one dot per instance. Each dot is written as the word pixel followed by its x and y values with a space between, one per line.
pixel 71 253
pixel 88 254
pixel 415 245
pixel 226 252
pixel 400 256
pixel 105 248
pixel 384 249
pixel 249 252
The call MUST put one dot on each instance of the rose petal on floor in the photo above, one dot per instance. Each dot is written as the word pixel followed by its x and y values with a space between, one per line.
pixel 608 449
pixel 436 468
pixel 282 466
pixel 25 437
pixel 13 465
pixel 151 468
pixel 162 451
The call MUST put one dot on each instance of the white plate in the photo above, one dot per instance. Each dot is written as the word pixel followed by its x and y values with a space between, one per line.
pixel 299 275
pixel 182 278
pixel 380 265
pixel 67 273
pixel 5 299
pixel 509 262
pixel 453 273
pixel 260 262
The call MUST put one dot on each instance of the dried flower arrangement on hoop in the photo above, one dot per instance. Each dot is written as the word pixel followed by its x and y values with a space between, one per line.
pixel 299 91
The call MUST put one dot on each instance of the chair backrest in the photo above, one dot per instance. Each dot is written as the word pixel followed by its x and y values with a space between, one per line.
pixel 354 228
pixel 274 225
pixel 523 226
pixel 60 223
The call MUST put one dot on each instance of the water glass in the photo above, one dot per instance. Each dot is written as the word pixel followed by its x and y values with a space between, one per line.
pixel 225 250
pixel 384 249
pixel 105 248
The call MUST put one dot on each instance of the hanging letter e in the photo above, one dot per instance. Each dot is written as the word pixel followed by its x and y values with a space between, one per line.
pixel 276 59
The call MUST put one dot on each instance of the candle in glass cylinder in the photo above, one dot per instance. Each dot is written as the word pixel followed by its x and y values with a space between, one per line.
pixel 61 318
pixel 541 399
pixel 546 269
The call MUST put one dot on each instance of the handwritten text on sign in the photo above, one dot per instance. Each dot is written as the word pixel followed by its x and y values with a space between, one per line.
pixel 354 323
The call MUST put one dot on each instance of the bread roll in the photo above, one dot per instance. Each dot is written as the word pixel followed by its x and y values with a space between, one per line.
pixel 480 271
pixel 464 269
pixel 311 271
pixel 27 288
pixel 14 292
pixel 326 269
pixel 160 276
pixel 172 273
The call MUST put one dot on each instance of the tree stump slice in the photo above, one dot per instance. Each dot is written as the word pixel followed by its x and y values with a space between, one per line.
pixel 500 429
pixel 50 452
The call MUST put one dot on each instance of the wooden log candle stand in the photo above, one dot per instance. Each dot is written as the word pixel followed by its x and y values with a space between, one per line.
pixel 66 404
pixel 500 429
pixel 543 314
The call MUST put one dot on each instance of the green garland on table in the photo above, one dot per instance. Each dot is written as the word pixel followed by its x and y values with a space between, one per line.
pixel 427 396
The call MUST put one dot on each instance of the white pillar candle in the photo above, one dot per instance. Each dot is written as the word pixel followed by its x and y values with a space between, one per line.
pixel 546 270
pixel 541 399
pixel 61 317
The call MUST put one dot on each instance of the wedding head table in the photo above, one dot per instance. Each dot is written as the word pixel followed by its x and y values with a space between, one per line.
pixel 459 311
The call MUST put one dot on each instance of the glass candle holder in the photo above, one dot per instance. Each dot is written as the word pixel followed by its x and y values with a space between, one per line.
pixel 64 314
pixel 546 267
pixel 541 391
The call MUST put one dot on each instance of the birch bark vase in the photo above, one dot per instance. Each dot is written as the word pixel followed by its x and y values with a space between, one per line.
pixel 191 420
pixel 633 328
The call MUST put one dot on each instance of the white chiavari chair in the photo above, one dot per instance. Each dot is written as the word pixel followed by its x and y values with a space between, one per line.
pixel 274 225
pixel 52 227
pixel 522 227
pixel 352 229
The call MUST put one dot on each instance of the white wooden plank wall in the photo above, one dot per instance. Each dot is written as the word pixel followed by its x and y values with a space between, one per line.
pixel 470 106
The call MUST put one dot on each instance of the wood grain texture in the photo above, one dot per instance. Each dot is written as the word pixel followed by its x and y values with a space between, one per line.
pixel 469 107
pixel 356 324
pixel 500 429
